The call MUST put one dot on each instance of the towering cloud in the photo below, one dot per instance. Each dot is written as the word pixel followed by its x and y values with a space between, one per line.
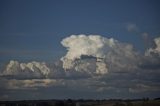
pixel 82 45
pixel 100 64
pixel 88 55
pixel 106 51
pixel 85 45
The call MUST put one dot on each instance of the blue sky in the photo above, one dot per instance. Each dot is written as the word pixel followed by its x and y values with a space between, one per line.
pixel 40 25
pixel 32 30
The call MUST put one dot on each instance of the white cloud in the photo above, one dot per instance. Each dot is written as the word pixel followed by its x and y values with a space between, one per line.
pixel 92 64
pixel 107 52
pixel 155 50
pixel 101 68
pixel 14 67
pixel 92 45
pixel 84 45
pixel 87 56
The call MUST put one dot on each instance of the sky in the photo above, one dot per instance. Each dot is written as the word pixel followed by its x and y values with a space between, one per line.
pixel 48 47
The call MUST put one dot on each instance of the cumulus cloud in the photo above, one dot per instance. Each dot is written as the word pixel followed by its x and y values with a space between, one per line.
pixel 151 58
pixel 108 52
pixel 156 49
pixel 93 64
pixel 14 68
pixel 82 45
pixel 88 56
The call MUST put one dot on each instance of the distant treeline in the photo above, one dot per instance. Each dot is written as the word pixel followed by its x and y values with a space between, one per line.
pixel 83 102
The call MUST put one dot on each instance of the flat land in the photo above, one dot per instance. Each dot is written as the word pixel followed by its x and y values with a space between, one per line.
pixel 70 102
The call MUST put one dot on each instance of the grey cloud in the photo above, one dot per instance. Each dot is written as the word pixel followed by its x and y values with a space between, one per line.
pixel 127 71
pixel 111 56
pixel 140 88
pixel 33 84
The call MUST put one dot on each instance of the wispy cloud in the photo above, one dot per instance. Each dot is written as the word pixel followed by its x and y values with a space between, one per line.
pixel 140 88
pixel 131 27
